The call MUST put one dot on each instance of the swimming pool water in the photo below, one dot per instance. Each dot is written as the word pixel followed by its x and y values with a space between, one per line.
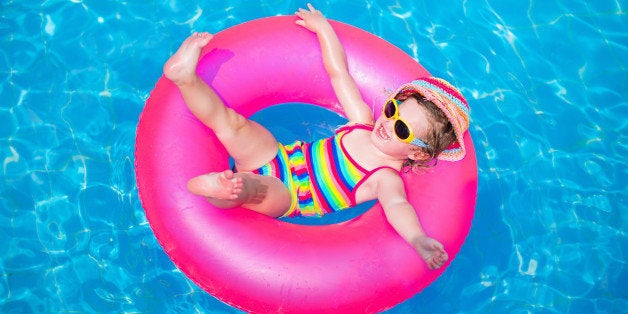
pixel 547 82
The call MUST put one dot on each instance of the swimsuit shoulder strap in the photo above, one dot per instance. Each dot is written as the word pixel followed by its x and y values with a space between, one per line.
pixel 370 173
pixel 350 127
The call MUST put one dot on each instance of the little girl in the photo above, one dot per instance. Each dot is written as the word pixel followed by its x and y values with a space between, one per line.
pixel 424 121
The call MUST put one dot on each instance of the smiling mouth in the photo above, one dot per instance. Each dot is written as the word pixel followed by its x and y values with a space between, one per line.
pixel 383 133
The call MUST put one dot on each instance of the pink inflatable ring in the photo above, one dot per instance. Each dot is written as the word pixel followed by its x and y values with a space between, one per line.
pixel 261 264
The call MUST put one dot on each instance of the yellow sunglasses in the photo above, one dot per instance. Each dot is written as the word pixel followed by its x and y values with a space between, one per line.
pixel 402 131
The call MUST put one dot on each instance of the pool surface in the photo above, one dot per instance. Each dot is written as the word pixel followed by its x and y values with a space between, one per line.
pixel 547 83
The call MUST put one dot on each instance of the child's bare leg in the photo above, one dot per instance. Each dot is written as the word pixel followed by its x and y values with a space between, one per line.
pixel 226 189
pixel 248 143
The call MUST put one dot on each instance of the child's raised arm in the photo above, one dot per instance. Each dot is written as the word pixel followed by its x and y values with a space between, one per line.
pixel 335 62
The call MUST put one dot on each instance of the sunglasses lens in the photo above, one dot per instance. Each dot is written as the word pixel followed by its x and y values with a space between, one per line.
pixel 401 130
pixel 390 109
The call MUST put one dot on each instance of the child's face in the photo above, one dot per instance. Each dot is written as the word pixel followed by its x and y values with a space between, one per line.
pixel 383 135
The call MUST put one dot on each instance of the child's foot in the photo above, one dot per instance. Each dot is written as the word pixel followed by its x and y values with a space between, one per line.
pixel 432 252
pixel 217 185
pixel 181 67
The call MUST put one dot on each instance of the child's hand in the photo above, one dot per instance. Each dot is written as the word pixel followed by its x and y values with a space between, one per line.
pixel 312 19
pixel 431 251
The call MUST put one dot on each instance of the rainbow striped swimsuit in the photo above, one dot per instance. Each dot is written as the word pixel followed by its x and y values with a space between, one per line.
pixel 321 176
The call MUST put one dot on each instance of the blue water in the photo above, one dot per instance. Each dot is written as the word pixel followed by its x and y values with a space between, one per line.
pixel 547 82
